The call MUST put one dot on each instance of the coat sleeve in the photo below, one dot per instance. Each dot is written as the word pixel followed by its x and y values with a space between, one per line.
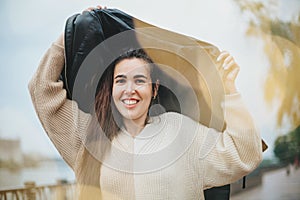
pixel 61 118
pixel 230 155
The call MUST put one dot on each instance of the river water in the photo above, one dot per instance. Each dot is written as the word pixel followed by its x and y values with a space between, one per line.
pixel 47 172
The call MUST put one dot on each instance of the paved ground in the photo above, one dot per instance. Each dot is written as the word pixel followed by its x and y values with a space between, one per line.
pixel 276 185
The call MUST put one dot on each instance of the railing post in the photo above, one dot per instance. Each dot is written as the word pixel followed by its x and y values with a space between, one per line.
pixel 30 190
pixel 61 192
pixel 3 196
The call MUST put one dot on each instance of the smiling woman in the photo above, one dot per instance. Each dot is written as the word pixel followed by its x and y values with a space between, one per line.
pixel 122 151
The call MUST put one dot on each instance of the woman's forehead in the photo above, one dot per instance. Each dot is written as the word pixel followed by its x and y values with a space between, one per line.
pixel 132 66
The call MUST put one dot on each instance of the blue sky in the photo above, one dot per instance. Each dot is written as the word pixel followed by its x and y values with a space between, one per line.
pixel 28 28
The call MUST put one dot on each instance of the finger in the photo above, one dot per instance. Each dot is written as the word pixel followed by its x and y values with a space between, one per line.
pixel 229 64
pixel 232 74
pixel 220 59
pixel 222 56
pixel 89 9
pixel 101 7
pixel 229 59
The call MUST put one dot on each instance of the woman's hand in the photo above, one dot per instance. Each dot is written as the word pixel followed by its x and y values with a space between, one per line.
pixel 93 8
pixel 228 70
pixel 60 39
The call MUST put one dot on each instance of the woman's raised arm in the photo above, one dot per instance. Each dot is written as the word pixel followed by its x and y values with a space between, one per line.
pixel 62 120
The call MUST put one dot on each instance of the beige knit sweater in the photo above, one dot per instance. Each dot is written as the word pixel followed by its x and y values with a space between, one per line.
pixel 174 157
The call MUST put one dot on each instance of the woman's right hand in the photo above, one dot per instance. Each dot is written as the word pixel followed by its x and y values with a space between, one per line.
pixel 93 8
pixel 60 39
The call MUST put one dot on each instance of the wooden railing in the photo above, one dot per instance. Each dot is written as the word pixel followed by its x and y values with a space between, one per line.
pixel 60 191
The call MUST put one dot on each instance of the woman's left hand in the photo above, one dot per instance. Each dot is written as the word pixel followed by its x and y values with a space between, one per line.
pixel 228 70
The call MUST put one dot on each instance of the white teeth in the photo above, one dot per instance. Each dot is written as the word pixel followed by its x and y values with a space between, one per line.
pixel 130 102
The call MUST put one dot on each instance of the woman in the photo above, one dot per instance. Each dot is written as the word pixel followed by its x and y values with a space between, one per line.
pixel 122 152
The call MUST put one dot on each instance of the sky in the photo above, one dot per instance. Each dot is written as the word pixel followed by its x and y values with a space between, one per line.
pixel 29 27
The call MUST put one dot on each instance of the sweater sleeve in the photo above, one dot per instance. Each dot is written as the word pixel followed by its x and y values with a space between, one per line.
pixel 61 118
pixel 230 155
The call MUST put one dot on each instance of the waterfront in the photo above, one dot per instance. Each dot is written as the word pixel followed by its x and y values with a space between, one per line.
pixel 47 172
pixel 276 184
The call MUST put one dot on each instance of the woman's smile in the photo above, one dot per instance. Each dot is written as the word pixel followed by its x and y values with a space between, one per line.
pixel 130 102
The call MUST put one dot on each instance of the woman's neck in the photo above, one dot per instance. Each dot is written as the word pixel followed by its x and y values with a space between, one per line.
pixel 134 127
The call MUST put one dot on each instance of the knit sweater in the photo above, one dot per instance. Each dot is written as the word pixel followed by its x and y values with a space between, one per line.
pixel 173 157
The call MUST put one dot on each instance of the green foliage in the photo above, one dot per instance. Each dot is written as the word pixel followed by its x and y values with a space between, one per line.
pixel 287 147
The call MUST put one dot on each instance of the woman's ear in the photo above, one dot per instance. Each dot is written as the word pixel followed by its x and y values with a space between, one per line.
pixel 156 87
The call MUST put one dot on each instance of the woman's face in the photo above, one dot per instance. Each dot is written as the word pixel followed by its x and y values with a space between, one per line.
pixel 132 89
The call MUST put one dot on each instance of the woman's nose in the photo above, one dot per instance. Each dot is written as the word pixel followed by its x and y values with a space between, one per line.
pixel 130 88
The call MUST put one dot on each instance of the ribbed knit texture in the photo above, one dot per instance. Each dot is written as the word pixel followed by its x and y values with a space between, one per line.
pixel 210 158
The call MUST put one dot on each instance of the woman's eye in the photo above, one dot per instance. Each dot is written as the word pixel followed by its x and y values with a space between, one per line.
pixel 140 81
pixel 120 81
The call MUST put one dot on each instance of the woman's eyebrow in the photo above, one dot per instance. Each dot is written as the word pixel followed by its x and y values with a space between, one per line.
pixel 140 76
pixel 120 76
